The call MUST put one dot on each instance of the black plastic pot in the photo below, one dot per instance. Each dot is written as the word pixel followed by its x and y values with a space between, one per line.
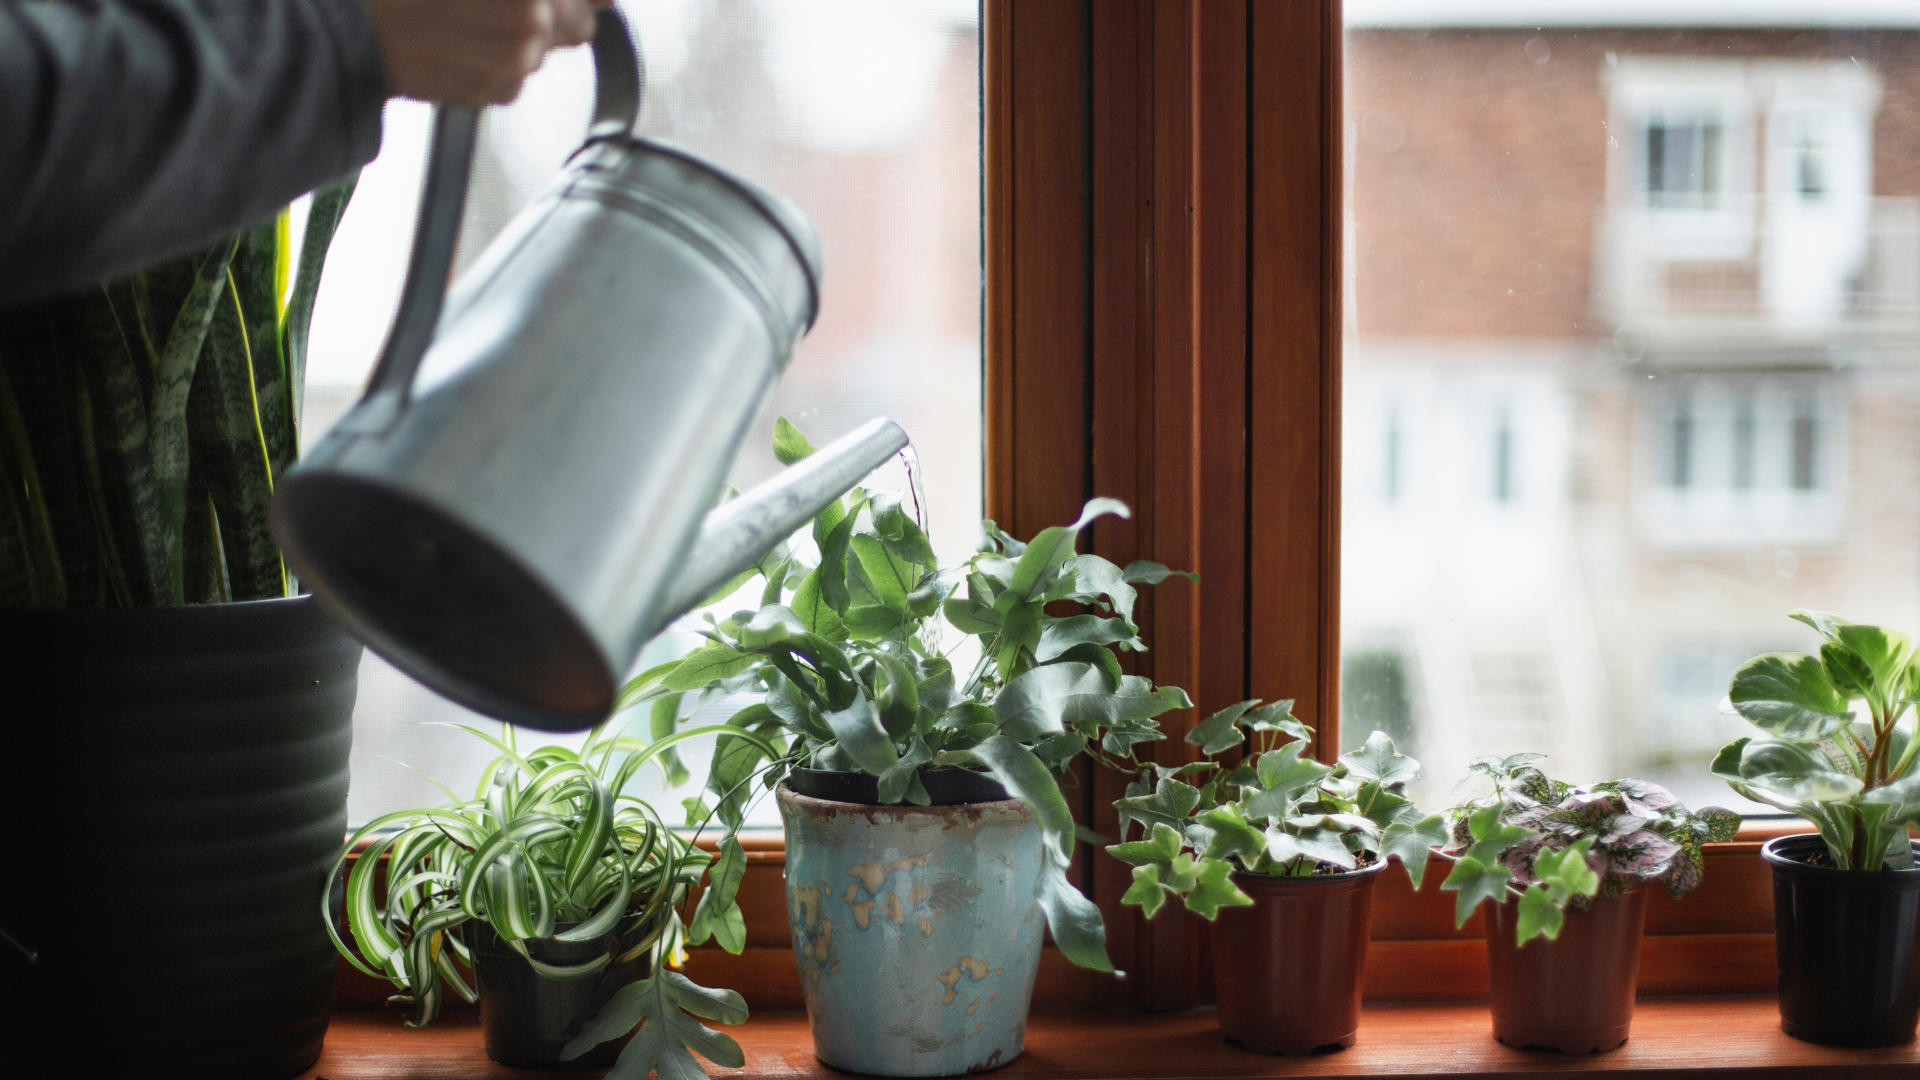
pixel 945 787
pixel 528 1018
pixel 177 780
pixel 1845 940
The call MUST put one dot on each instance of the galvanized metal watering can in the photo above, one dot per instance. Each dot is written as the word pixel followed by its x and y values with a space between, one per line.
pixel 521 499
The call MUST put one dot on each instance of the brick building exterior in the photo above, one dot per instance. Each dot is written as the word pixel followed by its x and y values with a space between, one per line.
pixel 1634 369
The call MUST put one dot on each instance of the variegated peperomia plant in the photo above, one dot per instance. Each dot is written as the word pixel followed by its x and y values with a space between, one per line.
pixel 1278 812
pixel 853 657
pixel 1856 780
pixel 1557 846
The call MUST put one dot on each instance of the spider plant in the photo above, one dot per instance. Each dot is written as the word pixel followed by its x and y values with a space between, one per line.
pixel 551 845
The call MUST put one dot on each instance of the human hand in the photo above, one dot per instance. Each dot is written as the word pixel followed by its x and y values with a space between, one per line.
pixel 473 52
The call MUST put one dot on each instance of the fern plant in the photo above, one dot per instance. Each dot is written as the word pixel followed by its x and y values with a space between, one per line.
pixel 142 425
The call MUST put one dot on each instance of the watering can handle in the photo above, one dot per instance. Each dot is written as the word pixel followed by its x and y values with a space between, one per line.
pixel 619 75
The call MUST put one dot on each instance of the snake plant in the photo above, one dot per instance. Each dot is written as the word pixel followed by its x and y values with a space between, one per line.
pixel 551 845
pixel 142 425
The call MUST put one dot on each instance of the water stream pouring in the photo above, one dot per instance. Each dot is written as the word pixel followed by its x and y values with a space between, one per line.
pixel 521 499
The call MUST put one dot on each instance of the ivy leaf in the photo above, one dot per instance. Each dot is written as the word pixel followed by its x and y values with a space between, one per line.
pixel 1539 916
pixel 1567 869
pixel 1277 716
pixel 1160 847
pixel 1146 892
pixel 1474 880
pixel 1284 775
pixel 1232 836
pixel 1219 731
pixel 1213 889
pixel 1169 804
pixel 1413 843
pixel 1493 837
pixel 1789 695
pixel 661 1005
pixel 789 445
pixel 1379 761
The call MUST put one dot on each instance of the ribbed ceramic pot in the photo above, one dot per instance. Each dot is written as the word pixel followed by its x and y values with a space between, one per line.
pixel 1575 992
pixel 179 779
pixel 1287 971
pixel 917 930
pixel 1846 944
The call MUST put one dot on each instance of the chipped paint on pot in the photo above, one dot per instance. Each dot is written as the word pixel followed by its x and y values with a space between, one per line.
pixel 917 930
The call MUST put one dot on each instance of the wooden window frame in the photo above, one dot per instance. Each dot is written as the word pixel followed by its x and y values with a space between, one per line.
pixel 1162 200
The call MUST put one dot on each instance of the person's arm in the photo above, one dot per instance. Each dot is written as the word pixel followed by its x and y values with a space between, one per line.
pixel 135 130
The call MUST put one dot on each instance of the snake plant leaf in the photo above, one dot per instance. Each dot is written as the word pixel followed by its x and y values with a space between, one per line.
pixel 1788 695
pixel 1057 636
pixel 172 384
pixel 42 369
pixel 31 573
pixel 1378 761
pixel 141 509
pixel 1213 889
pixel 323 218
pixel 664 1007
pixel 1220 731
pixel 257 276
pixel 224 429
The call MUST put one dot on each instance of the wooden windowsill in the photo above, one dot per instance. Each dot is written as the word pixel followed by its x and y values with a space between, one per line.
pixel 1672 1037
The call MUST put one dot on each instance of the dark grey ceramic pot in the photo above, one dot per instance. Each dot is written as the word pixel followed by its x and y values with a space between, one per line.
pixel 177 785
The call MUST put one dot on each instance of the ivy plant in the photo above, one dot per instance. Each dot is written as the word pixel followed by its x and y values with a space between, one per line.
pixel 854 659
pixel 1558 847
pixel 551 845
pixel 1851 775
pixel 1278 812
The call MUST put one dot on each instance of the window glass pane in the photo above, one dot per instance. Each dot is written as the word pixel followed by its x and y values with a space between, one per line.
pixel 1630 373
pixel 863 112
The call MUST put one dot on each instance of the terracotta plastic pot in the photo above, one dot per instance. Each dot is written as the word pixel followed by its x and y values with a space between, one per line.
pixel 917 930
pixel 528 1018
pixel 1573 993
pixel 1849 965
pixel 1288 971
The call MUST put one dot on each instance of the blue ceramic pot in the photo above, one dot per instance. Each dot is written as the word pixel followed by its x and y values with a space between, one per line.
pixel 917 930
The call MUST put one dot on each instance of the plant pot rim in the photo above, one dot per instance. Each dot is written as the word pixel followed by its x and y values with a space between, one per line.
pixel 1773 851
pixel 160 611
pixel 785 792
pixel 1330 879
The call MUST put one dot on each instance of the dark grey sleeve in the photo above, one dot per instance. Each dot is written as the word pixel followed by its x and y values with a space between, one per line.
pixel 135 130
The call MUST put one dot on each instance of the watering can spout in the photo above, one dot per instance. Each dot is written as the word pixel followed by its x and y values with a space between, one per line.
pixel 740 532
